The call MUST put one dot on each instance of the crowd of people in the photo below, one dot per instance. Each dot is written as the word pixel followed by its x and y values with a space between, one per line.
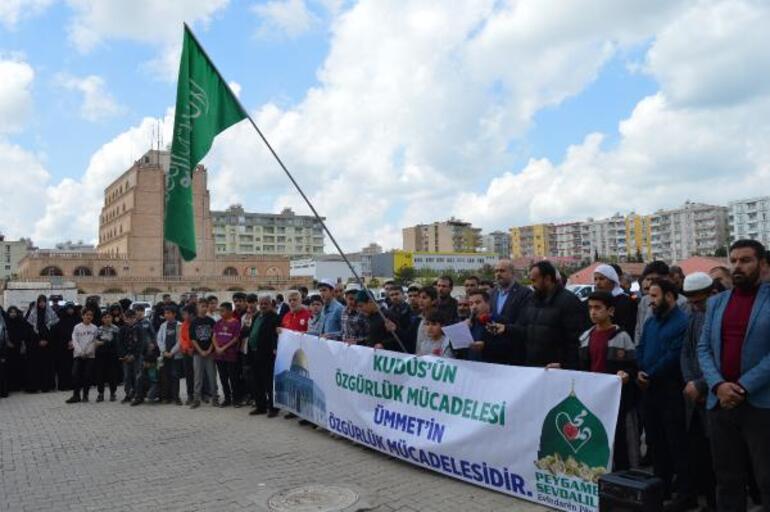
pixel 692 353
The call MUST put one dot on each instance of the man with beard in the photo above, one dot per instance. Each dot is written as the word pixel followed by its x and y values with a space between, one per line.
pixel 653 271
pixel 40 353
pixel 446 304
pixel 660 379
pixel 506 303
pixel 734 354
pixel 413 297
pixel 262 345
pixel 697 287
pixel 550 325
pixel 62 334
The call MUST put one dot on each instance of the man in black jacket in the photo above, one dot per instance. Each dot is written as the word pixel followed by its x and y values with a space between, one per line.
pixel 551 322
pixel 262 346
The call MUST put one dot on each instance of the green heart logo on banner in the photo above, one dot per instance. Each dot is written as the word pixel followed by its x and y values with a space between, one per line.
pixel 569 429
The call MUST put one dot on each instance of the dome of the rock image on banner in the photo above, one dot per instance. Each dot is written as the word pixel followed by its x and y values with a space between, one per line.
pixel 296 391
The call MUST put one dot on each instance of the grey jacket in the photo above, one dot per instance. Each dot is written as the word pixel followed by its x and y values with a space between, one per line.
pixel 691 367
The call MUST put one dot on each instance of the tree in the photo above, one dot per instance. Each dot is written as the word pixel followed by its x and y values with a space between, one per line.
pixel 721 252
pixel 374 282
pixel 405 275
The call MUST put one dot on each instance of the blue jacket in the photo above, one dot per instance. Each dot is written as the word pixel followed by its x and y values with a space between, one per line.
pixel 331 318
pixel 755 356
pixel 660 348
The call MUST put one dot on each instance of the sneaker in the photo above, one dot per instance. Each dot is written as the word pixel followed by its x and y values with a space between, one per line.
pixel 73 399
pixel 195 404
pixel 273 413
pixel 237 405
pixel 226 403
pixel 137 401
pixel 113 397
pixel 257 411
pixel 215 402
pixel 178 402
pixel 100 398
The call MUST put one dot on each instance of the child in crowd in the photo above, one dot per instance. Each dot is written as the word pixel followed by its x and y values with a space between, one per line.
pixel 226 346
pixel 201 334
pixel 213 308
pixel 605 348
pixel 188 313
pixel 107 365
pixel 169 346
pixel 316 305
pixel 147 379
pixel 83 352
pixel 435 342
pixel 129 354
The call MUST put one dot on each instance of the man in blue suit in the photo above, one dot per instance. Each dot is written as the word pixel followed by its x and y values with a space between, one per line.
pixel 734 354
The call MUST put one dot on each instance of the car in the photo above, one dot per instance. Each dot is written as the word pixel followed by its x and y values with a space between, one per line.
pixel 581 290
pixel 147 306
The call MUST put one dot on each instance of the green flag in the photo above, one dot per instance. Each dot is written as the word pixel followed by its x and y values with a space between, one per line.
pixel 205 106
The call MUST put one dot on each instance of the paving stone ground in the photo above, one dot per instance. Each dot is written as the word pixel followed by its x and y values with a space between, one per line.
pixel 109 456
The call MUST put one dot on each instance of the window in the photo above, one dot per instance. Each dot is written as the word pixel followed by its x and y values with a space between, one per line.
pixel 230 271
pixel 108 271
pixel 51 271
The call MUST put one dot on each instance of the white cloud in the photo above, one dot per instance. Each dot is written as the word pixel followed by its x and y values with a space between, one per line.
pixel 22 190
pixel 289 17
pixel 72 207
pixel 13 11
pixel 418 101
pixel 703 137
pixel 147 21
pixel 16 77
pixel 97 103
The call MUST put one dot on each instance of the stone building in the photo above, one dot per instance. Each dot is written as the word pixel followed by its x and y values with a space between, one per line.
pixel 131 255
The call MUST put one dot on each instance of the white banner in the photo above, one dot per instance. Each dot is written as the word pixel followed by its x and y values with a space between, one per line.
pixel 540 435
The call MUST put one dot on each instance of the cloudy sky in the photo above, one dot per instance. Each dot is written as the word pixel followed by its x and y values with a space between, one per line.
pixel 394 112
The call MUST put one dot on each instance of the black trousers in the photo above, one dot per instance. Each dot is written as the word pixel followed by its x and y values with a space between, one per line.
pixel 63 368
pixel 169 379
pixel 82 375
pixel 262 379
pixel 108 372
pixel 663 406
pixel 3 376
pixel 699 457
pixel 740 437
pixel 40 369
pixel 228 376
pixel 189 375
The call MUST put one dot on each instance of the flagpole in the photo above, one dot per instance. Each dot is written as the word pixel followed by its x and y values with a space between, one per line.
pixel 296 185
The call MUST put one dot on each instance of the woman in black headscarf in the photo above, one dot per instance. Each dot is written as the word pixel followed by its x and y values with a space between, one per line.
pixel 40 356
pixel 18 335
pixel 62 352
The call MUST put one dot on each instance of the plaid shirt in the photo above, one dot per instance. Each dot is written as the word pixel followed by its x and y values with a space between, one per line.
pixel 355 326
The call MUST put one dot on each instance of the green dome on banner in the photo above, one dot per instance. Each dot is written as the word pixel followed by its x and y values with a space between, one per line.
pixel 570 430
